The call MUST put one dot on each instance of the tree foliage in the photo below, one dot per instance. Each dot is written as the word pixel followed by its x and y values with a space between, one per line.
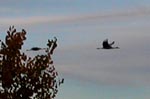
pixel 23 77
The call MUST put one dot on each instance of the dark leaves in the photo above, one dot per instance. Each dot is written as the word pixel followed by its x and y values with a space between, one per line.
pixel 23 76
pixel 52 44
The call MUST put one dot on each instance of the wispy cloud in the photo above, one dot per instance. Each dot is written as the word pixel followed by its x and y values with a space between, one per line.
pixel 76 18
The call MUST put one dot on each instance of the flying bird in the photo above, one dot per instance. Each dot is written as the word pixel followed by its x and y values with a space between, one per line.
pixel 107 45
pixel 36 49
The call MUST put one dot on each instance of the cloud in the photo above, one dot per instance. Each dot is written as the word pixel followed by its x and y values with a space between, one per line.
pixel 114 15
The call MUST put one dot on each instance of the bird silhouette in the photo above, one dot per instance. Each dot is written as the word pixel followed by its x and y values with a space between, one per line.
pixel 107 45
pixel 36 49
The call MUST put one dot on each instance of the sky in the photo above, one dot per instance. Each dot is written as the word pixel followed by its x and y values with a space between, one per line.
pixel 81 26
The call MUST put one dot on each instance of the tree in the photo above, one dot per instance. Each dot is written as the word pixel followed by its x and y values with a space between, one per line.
pixel 23 77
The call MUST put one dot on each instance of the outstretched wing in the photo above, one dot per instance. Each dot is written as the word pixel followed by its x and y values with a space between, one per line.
pixel 112 43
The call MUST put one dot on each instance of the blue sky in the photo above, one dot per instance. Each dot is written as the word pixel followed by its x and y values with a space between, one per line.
pixel 81 26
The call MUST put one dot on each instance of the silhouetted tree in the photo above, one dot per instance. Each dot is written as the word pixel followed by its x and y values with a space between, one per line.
pixel 23 77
